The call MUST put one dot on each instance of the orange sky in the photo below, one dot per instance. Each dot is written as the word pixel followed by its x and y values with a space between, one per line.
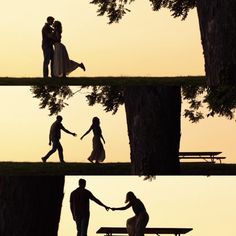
pixel 206 204
pixel 144 43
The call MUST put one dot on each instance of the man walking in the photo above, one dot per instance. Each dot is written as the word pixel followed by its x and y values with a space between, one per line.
pixel 79 205
pixel 54 139
pixel 47 46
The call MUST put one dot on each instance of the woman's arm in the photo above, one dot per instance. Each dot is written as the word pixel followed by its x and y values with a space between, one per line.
pixel 121 208
pixel 86 133
pixel 102 139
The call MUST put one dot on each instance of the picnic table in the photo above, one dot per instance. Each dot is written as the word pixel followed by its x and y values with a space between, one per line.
pixel 109 231
pixel 207 156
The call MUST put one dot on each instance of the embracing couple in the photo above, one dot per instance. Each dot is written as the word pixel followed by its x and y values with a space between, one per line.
pixel 54 52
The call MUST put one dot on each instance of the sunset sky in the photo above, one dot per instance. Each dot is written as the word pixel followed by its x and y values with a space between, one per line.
pixel 26 127
pixel 206 204
pixel 144 43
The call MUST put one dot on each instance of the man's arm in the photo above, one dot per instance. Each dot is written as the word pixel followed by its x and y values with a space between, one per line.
pixel 67 131
pixel 50 137
pixel 47 31
pixel 71 205
pixel 98 201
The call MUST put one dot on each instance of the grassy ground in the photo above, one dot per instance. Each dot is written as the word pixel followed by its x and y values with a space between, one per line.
pixel 29 168
pixel 116 81
pixel 36 168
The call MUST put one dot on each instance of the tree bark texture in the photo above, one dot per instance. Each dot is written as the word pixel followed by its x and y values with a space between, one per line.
pixel 153 119
pixel 30 206
pixel 217 20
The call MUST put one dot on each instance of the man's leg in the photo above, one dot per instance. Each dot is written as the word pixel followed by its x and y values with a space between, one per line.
pixel 60 152
pixel 54 148
pixel 84 225
pixel 52 61
pixel 48 56
pixel 46 60
pixel 78 226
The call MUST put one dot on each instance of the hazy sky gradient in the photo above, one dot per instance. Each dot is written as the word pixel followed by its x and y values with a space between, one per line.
pixel 206 204
pixel 26 127
pixel 144 43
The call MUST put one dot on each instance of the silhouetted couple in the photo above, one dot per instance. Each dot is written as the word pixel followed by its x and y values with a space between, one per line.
pixel 98 152
pixel 79 205
pixel 57 57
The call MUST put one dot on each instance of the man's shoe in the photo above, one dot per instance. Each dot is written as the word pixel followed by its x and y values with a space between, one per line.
pixel 62 161
pixel 43 159
pixel 82 66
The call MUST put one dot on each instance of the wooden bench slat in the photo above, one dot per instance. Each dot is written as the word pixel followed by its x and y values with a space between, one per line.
pixel 195 157
pixel 199 153
pixel 212 156
pixel 122 230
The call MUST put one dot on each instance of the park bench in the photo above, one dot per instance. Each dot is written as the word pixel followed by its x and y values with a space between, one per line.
pixel 109 231
pixel 206 156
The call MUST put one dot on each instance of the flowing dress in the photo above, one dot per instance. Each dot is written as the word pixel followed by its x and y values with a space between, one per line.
pixel 137 224
pixel 62 65
pixel 98 152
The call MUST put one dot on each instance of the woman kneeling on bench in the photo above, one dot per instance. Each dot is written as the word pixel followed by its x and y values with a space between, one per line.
pixel 135 225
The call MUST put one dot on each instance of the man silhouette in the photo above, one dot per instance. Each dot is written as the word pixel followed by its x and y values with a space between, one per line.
pixel 47 46
pixel 79 205
pixel 54 139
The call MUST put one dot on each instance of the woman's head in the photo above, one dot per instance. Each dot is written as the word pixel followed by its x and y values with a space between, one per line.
pixel 96 121
pixel 57 26
pixel 130 197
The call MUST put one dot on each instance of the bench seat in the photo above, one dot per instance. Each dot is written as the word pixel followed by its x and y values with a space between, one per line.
pixel 157 231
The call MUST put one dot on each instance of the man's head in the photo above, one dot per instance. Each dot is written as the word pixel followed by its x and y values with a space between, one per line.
pixel 50 20
pixel 59 118
pixel 82 183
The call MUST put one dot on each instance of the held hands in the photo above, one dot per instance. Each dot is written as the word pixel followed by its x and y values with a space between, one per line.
pixel 110 208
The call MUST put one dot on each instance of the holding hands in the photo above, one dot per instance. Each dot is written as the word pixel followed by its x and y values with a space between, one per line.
pixel 110 208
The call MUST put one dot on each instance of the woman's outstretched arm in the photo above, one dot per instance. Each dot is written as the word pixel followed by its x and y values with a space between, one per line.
pixel 86 133
pixel 121 208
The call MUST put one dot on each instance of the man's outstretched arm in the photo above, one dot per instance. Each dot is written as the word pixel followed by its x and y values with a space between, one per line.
pixel 67 131
pixel 98 202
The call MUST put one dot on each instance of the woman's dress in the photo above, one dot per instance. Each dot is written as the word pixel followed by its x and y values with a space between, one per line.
pixel 98 152
pixel 62 65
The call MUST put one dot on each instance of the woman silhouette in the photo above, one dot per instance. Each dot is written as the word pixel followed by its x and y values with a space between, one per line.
pixel 98 153
pixel 62 65
pixel 135 225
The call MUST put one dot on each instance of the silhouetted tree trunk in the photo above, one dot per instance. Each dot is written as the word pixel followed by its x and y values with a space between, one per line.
pixel 153 119
pixel 30 206
pixel 217 20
